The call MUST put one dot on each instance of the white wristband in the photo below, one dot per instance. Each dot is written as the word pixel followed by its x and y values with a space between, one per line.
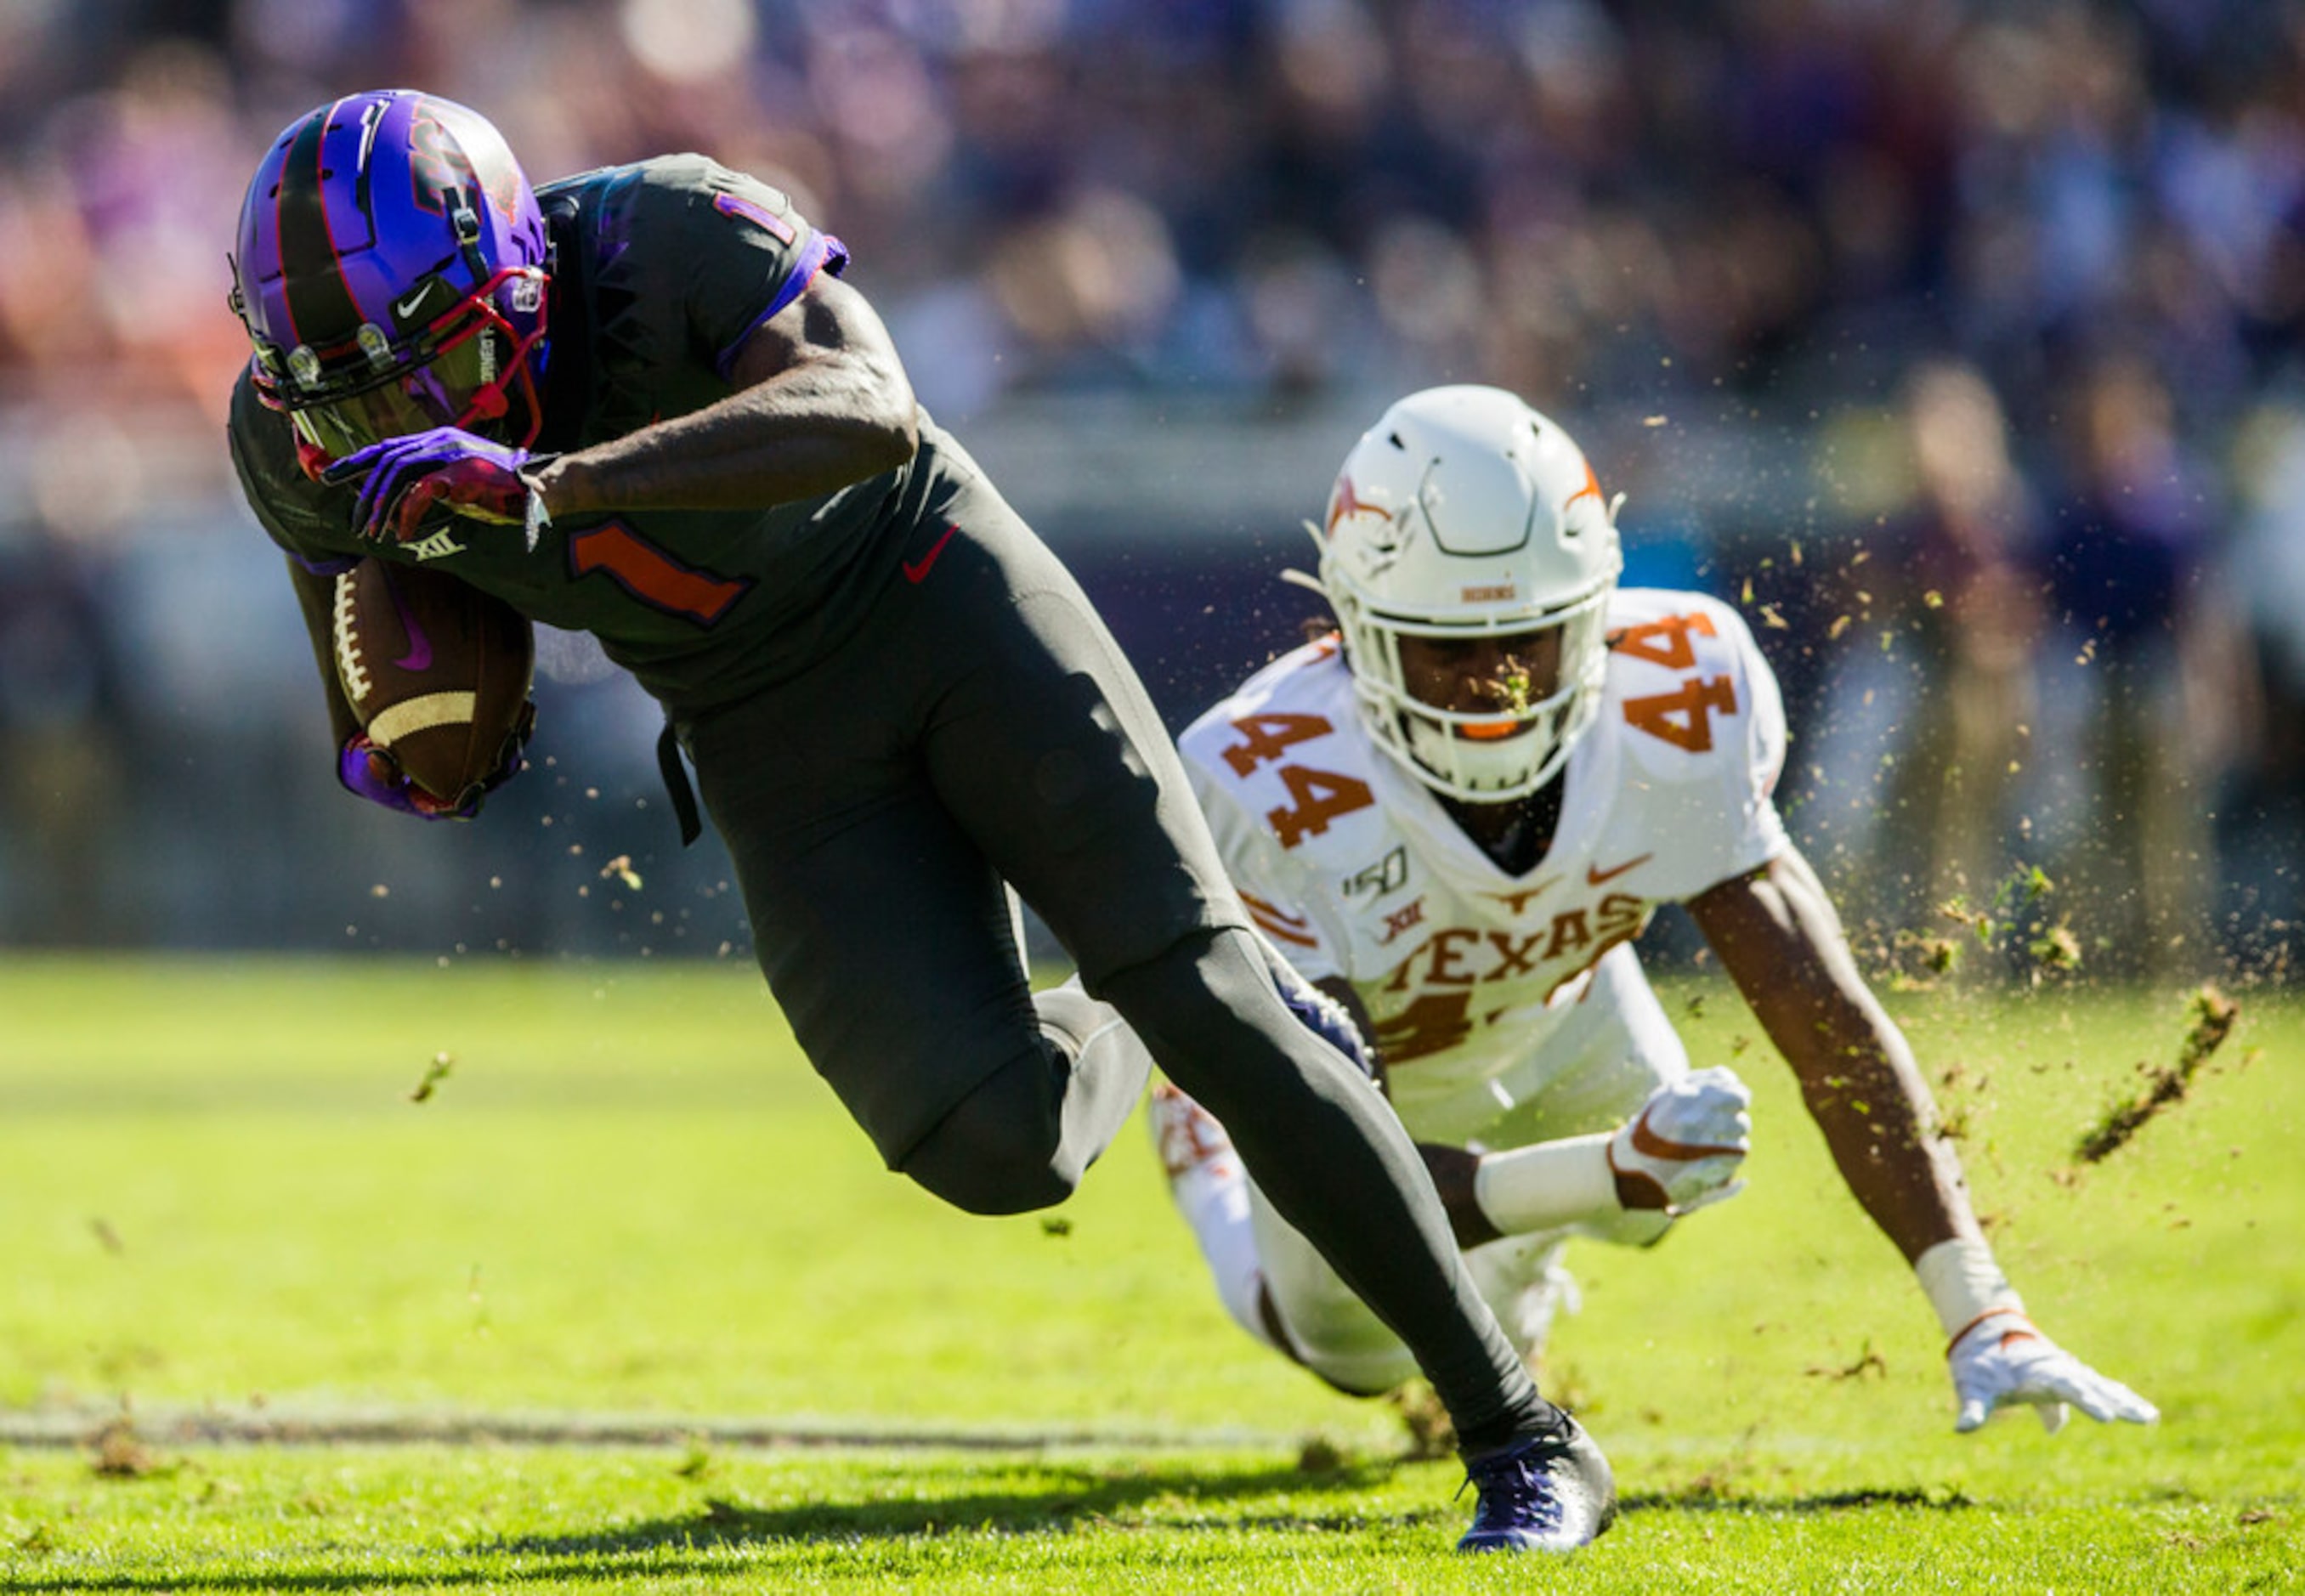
pixel 1963 1284
pixel 1547 1185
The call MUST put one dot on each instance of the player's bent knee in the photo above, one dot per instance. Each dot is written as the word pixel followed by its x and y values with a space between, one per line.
pixel 992 1193
pixel 997 1152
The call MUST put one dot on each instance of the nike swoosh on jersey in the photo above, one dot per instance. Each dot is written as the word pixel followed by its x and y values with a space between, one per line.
pixel 1595 875
pixel 407 308
pixel 916 573
pixel 1276 924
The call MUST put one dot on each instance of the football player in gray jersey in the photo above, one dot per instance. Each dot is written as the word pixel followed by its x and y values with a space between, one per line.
pixel 643 402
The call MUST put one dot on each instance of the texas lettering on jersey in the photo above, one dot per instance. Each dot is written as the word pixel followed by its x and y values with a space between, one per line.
pixel 1354 870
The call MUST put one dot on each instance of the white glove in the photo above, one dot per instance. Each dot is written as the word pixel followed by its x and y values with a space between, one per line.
pixel 2002 1360
pixel 1685 1144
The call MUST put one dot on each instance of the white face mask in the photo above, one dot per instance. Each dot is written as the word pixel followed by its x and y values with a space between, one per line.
pixel 1501 768
pixel 1444 749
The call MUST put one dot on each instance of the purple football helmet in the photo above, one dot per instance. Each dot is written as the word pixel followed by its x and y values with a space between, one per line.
pixel 391 272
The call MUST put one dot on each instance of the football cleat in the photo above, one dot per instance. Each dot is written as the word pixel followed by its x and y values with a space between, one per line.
pixel 1316 1011
pixel 1319 1012
pixel 1326 1018
pixel 1554 1492
pixel 1187 1135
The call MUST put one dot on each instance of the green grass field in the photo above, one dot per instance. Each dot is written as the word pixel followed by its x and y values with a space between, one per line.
pixel 625 1302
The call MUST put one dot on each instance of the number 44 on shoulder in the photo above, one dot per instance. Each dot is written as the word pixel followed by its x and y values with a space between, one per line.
pixel 1316 797
pixel 1683 717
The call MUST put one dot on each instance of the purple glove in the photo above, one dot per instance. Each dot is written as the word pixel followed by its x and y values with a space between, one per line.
pixel 407 476
pixel 369 772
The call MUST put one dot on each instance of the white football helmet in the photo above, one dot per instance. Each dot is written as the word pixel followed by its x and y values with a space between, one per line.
pixel 1463 512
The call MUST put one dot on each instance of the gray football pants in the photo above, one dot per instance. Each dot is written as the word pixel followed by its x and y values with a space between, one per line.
pixel 980 726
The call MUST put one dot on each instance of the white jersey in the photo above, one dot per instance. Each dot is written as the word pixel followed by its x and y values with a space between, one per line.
pixel 1351 865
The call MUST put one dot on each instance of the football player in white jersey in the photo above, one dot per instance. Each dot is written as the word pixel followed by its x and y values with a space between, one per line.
pixel 1454 815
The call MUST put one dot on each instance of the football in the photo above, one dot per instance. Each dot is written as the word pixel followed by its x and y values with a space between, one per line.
pixel 437 671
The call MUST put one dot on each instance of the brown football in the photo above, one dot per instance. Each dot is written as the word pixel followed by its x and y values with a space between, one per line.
pixel 437 671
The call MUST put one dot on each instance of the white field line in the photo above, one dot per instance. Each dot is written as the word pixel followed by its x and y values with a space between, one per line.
pixel 297 1426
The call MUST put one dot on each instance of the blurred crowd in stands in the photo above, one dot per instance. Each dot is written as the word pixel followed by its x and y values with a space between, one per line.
pixel 1959 342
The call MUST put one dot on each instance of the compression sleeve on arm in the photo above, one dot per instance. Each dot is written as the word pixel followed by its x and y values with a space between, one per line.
pixel 1547 1185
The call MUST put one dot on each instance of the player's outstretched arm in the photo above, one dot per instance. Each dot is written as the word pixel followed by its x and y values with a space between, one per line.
pixel 1776 933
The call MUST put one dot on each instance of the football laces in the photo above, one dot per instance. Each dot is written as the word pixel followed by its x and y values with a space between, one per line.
pixel 350 666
